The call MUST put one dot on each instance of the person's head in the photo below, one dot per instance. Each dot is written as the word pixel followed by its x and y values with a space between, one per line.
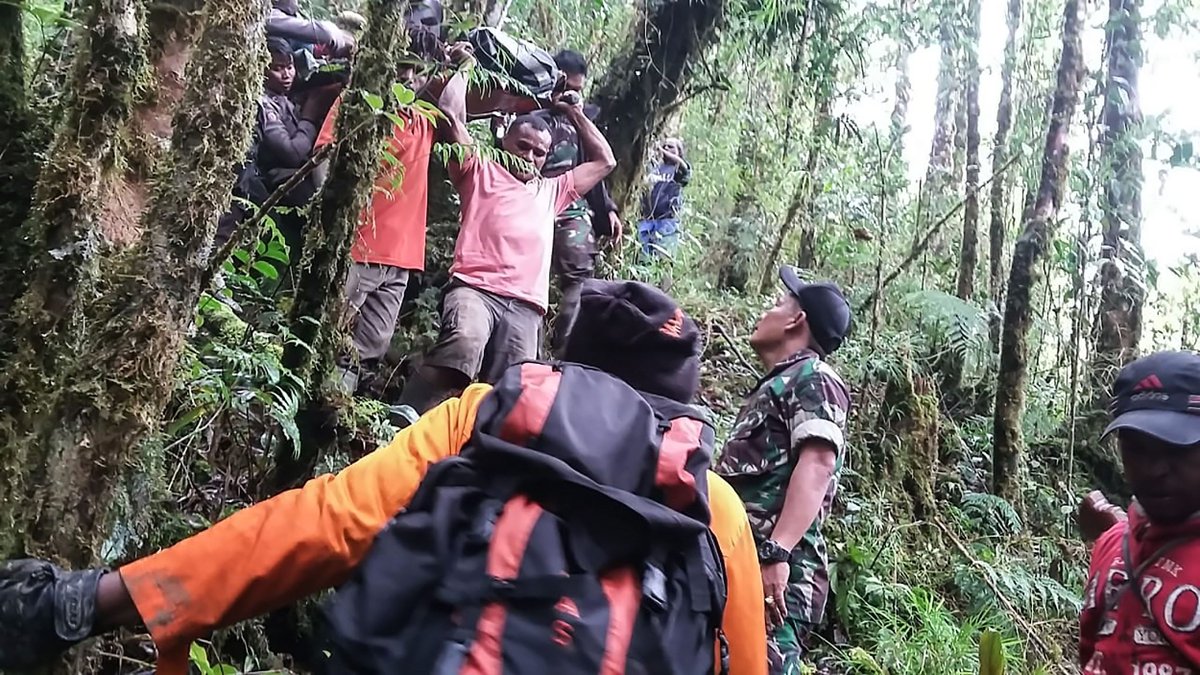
pixel 672 145
pixel 1155 412
pixel 528 137
pixel 805 316
pixel 574 70
pixel 638 334
pixel 281 71
pixel 423 50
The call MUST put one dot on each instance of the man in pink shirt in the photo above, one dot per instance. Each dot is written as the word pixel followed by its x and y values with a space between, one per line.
pixel 492 310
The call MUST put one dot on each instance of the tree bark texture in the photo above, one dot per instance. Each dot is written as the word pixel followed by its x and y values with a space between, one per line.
pixel 317 316
pixel 903 86
pixel 63 225
pixel 1122 273
pixel 1025 274
pixel 20 141
pixel 939 172
pixel 969 258
pixel 637 93
pixel 1118 324
pixel 998 203
pixel 79 417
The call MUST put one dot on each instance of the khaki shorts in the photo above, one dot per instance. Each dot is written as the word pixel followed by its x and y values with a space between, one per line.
pixel 374 294
pixel 482 333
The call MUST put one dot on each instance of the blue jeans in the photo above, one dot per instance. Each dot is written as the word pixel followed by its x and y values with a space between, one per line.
pixel 658 235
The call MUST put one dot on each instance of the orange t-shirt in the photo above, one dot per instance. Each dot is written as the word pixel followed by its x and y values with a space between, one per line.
pixel 311 538
pixel 392 229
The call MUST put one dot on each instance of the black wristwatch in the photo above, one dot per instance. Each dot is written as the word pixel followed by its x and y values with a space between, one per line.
pixel 771 552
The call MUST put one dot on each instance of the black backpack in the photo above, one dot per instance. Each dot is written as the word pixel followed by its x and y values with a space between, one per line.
pixel 570 537
pixel 518 60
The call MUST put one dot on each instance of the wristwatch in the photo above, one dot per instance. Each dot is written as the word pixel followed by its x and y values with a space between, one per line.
pixel 771 552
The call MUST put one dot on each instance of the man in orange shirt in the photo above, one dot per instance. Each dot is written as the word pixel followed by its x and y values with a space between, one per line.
pixel 312 538
pixel 390 243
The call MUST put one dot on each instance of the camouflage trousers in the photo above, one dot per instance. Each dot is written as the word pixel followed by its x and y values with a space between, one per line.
pixel 787 644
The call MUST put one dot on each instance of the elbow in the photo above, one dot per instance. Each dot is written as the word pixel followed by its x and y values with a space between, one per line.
pixel 609 162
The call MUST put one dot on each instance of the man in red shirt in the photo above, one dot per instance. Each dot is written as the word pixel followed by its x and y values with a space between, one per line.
pixel 1141 607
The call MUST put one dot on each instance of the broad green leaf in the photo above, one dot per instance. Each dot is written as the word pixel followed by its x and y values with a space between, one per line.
pixel 198 656
pixel 266 269
pixel 991 653
pixel 373 100
pixel 404 95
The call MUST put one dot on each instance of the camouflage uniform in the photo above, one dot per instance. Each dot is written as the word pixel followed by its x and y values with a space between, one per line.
pixel 802 398
pixel 574 243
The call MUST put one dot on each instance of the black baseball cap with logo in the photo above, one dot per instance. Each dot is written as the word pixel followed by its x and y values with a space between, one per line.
pixel 824 305
pixel 1159 395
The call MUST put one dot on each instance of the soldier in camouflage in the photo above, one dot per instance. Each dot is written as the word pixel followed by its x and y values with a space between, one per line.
pixel 574 253
pixel 785 454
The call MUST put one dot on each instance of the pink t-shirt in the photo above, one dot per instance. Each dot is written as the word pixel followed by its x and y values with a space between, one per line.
pixel 507 230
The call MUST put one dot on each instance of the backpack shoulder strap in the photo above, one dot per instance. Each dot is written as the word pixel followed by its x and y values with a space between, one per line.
pixel 1134 583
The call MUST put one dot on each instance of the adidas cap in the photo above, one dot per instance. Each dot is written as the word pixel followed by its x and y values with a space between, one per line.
pixel 1159 395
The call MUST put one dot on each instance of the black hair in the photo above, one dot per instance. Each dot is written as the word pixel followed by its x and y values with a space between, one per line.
pixel 530 120
pixel 277 46
pixel 423 44
pixel 571 62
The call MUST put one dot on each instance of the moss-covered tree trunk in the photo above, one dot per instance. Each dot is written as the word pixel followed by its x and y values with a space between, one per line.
pixel 650 74
pixel 998 202
pixel 317 317
pixel 1025 274
pixel 19 145
pixel 61 230
pixel 969 257
pixel 1118 326
pixel 85 397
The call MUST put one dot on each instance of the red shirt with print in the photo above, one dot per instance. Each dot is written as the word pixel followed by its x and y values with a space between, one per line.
pixel 1155 634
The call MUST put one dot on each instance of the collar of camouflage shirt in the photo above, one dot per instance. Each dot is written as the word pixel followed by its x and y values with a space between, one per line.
pixel 783 365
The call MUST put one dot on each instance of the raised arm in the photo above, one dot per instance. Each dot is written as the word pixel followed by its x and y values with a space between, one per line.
pixel 453 100
pixel 600 160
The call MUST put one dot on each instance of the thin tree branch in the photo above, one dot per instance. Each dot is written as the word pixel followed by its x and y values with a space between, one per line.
pixel 920 246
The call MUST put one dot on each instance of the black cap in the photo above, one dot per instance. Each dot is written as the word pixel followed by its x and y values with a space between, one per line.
pixel 825 307
pixel 1159 395
pixel 639 334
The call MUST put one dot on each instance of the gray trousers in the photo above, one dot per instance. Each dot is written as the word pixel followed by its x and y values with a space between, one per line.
pixel 374 294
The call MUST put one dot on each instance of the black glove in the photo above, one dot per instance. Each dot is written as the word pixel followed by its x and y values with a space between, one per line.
pixel 44 611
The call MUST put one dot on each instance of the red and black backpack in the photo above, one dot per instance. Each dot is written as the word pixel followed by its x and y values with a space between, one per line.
pixel 570 537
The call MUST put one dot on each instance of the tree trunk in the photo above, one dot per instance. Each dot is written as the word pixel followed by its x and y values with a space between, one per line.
pixel 1026 266
pixel 647 78
pixel 941 151
pixel 74 442
pixel 999 197
pixel 903 88
pixel 317 319
pixel 20 140
pixel 63 226
pixel 969 259
pixel 1118 325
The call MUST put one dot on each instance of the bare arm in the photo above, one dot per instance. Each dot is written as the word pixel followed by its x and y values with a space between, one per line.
pixel 599 153
pixel 806 490
pixel 453 104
